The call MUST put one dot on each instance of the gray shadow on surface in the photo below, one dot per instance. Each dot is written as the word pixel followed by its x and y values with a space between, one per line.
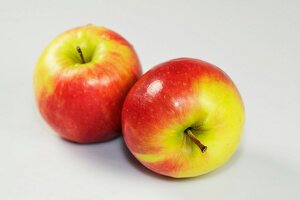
pixel 114 155
pixel 105 155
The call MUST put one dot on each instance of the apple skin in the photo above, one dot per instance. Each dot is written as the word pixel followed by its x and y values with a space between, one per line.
pixel 172 97
pixel 82 102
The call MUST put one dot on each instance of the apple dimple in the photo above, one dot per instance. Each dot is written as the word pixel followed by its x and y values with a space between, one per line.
pixel 85 54
pixel 190 133
pixel 78 47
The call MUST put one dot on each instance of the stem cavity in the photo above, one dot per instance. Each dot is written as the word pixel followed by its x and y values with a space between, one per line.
pixel 195 140
pixel 80 54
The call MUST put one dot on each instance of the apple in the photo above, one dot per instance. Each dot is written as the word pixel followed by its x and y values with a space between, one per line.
pixel 183 118
pixel 81 80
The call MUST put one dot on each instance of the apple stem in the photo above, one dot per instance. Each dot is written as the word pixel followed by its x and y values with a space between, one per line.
pixel 196 140
pixel 81 54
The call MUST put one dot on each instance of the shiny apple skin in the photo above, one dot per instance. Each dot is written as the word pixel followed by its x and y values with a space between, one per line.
pixel 172 97
pixel 82 102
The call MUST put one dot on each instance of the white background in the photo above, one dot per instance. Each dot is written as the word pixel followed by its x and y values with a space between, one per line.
pixel 256 42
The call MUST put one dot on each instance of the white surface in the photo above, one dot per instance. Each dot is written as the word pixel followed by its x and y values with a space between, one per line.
pixel 256 42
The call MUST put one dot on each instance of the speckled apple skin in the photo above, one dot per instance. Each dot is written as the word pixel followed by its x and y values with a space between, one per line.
pixel 83 102
pixel 172 97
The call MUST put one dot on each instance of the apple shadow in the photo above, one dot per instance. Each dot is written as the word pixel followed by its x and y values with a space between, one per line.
pixel 102 156
pixel 87 144
pixel 144 170
pixel 244 169
pixel 113 155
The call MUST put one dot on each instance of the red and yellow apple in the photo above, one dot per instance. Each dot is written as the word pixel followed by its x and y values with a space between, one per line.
pixel 183 118
pixel 81 80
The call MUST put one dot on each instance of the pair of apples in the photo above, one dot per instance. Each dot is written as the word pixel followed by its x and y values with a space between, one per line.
pixel 183 118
